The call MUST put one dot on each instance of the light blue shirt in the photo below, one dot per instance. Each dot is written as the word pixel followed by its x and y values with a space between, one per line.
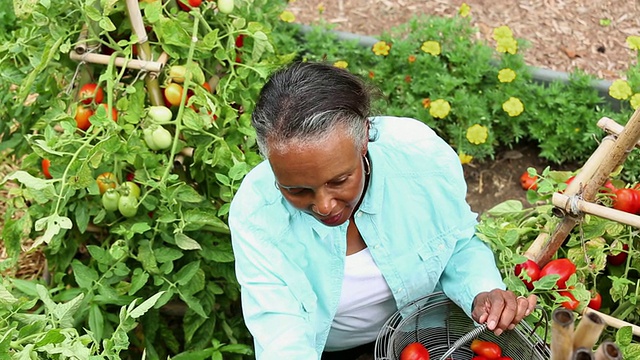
pixel 414 218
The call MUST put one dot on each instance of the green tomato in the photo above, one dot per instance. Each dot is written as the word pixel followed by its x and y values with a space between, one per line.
pixel 148 138
pixel 225 6
pixel 110 200
pixel 162 138
pixel 128 205
pixel 159 113
pixel 131 189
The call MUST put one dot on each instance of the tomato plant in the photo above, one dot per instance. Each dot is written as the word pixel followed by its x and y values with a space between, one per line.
pixel 106 181
pixel 532 270
pixel 487 349
pixel 46 163
pixel 128 205
pixel 91 93
pixel 129 188
pixel 528 182
pixel 620 257
pixel 114 112
pixel 414 351
pixel 225 6
pixel 82 116
pixel 562 267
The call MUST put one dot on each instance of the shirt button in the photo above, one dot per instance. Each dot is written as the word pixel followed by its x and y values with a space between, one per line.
pixel 399 290
pixel 376 246
pixel 359 214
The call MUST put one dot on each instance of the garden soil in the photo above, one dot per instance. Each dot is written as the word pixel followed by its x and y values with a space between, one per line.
pixel 562 35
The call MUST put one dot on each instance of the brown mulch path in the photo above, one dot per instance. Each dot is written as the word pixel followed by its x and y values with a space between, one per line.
pixel 563 34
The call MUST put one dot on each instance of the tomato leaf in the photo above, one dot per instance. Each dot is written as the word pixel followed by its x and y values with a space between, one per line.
pixel 624 336
pixel 631 351
pixel 138 280
pixel 96 320
pixel 186 243
pixel 145 306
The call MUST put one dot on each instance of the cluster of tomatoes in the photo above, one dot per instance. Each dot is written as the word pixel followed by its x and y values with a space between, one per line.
pixel 91 96
pixel 562 267
pixel 123 198
pixel 482 350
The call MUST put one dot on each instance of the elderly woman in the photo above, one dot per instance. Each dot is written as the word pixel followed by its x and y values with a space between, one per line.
pixel 350 218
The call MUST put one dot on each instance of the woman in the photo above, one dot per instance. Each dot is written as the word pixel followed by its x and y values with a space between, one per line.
pixel 350 218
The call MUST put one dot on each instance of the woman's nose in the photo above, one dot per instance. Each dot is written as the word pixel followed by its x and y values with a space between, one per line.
pixel 323 202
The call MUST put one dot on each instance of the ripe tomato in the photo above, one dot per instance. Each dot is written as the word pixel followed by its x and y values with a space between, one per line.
pixel 563 267
pixel 596 301
pixel 106 181
pixel 90 93
pixel 110 200
pixel 192 4
pixel 572 303
pixel 82 117
pixel 173 94
pixel 225 6
pixel 114 112
pixel 627 200
pixel 608 187
pixel 528 182
pixel 479 358
pixel 206 86
pixel 240 41
pixel 128 205
pixel 532 269
pixel 45 168
pixel 414 351
pixel 488 349
pixel 619 258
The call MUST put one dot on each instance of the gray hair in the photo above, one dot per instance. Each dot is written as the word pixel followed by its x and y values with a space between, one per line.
pixel 305 103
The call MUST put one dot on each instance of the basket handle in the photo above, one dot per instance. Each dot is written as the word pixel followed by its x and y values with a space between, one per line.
pixel 464 339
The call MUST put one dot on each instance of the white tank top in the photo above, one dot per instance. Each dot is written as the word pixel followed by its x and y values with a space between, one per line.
pixel 365 304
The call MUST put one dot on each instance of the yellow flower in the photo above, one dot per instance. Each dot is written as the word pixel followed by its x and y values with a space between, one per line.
pixel 506 75
pixel 502 32
pixel 439 108
pixel 464 10
pixel 635 101
pixel 287 16
pixel 620 90
pixel 321 8
pixel 513 106
pixel 634 42
pixel 464 158
pixel 507 45
pixel 477 134
pixel 341 64
pixel 381 48
pixel 431 47
pixel 411 59
pixel 426 102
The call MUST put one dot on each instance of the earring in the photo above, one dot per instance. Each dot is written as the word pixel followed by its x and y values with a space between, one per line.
pixel 367 166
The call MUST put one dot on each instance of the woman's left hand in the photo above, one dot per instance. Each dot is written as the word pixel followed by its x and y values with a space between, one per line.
pixel 501 310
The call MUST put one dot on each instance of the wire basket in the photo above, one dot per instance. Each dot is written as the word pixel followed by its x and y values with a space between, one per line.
pixel 445 330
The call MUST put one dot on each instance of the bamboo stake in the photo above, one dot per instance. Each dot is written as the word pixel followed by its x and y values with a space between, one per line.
pixel 561 334
pixel 608 351
pixel 612 127
pixel 582 354
pixel 613 322
pixel 574 204
pixel 81 45
pixel 604 162
pixel 588 331
pixel 151 66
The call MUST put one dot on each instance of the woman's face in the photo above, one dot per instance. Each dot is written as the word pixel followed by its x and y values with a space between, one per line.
pixel 325 180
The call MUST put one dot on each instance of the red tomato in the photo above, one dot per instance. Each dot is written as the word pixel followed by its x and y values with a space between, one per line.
pixel 114 112
pixel 532 269
pixel 90 93
pixel 563 267
pixel 173 94
pixel 45 168
pixel 568 181
pixel 82 117
pixel 192 4
pixel 620 258
pixel 479 358
pixel 240 41
pixel 414 351
pixel 206 86
pixel 608 187
pixel 528 182
pixel 572 304
pixel 596 301
pixel 488 349
pixel 626 200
